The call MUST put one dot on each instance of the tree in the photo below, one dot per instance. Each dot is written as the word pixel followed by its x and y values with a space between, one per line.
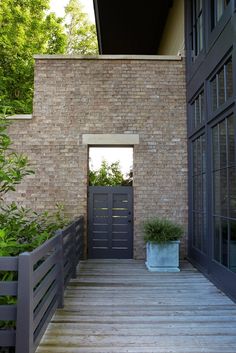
pixel 25 29
pixel 107 175
pixel 81 33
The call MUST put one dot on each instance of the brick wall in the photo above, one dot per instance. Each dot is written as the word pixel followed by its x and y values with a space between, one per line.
pixel 81 96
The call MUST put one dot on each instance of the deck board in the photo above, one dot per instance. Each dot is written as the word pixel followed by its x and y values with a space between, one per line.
pixel 116 306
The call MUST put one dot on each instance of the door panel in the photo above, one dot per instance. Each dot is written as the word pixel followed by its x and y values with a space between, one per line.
pixel 110 222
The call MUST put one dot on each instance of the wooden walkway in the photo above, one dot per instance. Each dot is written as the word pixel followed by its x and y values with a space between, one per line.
pixel 116 306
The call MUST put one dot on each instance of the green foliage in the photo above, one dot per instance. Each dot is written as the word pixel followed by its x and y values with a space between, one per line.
pixel 81 33
pixel 21 229
pixel 161 231
pixel 13 166
pixel 24 230
pixel 107 175
pixel 25 29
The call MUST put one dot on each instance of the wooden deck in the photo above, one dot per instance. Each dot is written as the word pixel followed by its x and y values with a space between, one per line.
pixel 117 307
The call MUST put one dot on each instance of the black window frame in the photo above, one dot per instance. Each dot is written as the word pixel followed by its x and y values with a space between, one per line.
pixel 195 35
pixel 214 31
pixel 215 122
pixel 201 209
pixel 212 113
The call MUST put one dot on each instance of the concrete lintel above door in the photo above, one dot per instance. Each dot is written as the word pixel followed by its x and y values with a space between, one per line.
pixel 110 139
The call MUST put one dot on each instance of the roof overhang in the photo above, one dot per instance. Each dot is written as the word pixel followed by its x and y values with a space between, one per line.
pixel 130 26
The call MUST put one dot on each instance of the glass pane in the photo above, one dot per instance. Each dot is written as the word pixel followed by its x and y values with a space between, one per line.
pixel 219 9
pixel 204 245
pixel 223 153
pixel 229 79
pixel 195 226
pixel 204 192
pixel 195 206
pixel 224 242
pixel 201 102
pixel 199 192
pixel 232 192
pixel 223 192
pixel 198 6
pixel 217 240
pixel 214 94
pixel 215 148
pixel 194 146
pixel 197 113
pixel 221 88
pixel 199 159
pixel 232 246
pixel 200 33
pixel 199 232
pixel 231 140
pixel 216 193
pixel 203 153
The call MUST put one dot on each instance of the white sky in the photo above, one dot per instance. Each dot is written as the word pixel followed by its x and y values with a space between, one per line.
pixel 57 6
pixel 113 154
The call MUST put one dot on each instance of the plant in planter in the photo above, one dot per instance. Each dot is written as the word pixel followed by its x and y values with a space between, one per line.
pixel 162 238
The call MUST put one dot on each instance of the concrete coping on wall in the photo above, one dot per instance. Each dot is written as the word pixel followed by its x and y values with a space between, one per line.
pixel 110 57
pixel 110 139
pixel 20 117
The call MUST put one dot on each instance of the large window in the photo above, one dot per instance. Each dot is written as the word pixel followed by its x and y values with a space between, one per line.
pixel 217 9
pixel 197 27
pixel 199 193
pixel 198 111
pixel 222 85
pixel 224 192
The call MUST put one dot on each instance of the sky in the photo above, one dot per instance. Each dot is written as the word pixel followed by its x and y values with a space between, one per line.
pixel 57 6
pixel 113 154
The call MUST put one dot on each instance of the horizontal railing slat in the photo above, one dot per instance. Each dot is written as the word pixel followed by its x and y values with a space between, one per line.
pixel 9 263
pixel 68 252
pixel 56 262
pixel 44 285
pixel 43 306
pixel 7 338
pixel 44 322
pixel 38 253
pixel 41 271
pixel 68 230
pixel 67 245
pixel 8 288
pixel 8 312
pixel 67 267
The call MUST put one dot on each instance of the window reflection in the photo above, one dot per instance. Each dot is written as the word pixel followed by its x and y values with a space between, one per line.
pixel 224 192
pixel 222 85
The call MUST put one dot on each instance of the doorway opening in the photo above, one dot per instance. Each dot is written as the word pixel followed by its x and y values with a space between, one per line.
pixel 110 204
pixel 110 166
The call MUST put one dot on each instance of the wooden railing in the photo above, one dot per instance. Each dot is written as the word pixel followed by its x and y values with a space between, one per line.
pixel 42 276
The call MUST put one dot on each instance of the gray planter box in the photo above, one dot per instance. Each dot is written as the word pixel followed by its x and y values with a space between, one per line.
pixel 163 257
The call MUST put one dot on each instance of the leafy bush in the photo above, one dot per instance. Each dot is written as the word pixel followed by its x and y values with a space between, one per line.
pixel 13 167
pixel 21 229
pixel 161 231
pixel 109 175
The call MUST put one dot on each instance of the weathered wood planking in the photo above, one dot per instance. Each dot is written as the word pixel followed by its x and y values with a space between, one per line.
pixel 116 306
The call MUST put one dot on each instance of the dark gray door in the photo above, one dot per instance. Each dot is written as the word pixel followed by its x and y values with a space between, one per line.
pixel 110 220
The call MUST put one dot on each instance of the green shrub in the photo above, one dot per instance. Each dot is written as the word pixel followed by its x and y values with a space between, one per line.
pixel 22 229
pixel 161 231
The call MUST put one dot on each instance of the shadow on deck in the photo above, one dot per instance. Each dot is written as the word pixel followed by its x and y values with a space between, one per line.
pixel 118 306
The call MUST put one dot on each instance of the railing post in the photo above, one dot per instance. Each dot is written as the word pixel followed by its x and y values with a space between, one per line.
pixel 73 243
pixel 82 239
pixel 24 319
pixel 60 275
